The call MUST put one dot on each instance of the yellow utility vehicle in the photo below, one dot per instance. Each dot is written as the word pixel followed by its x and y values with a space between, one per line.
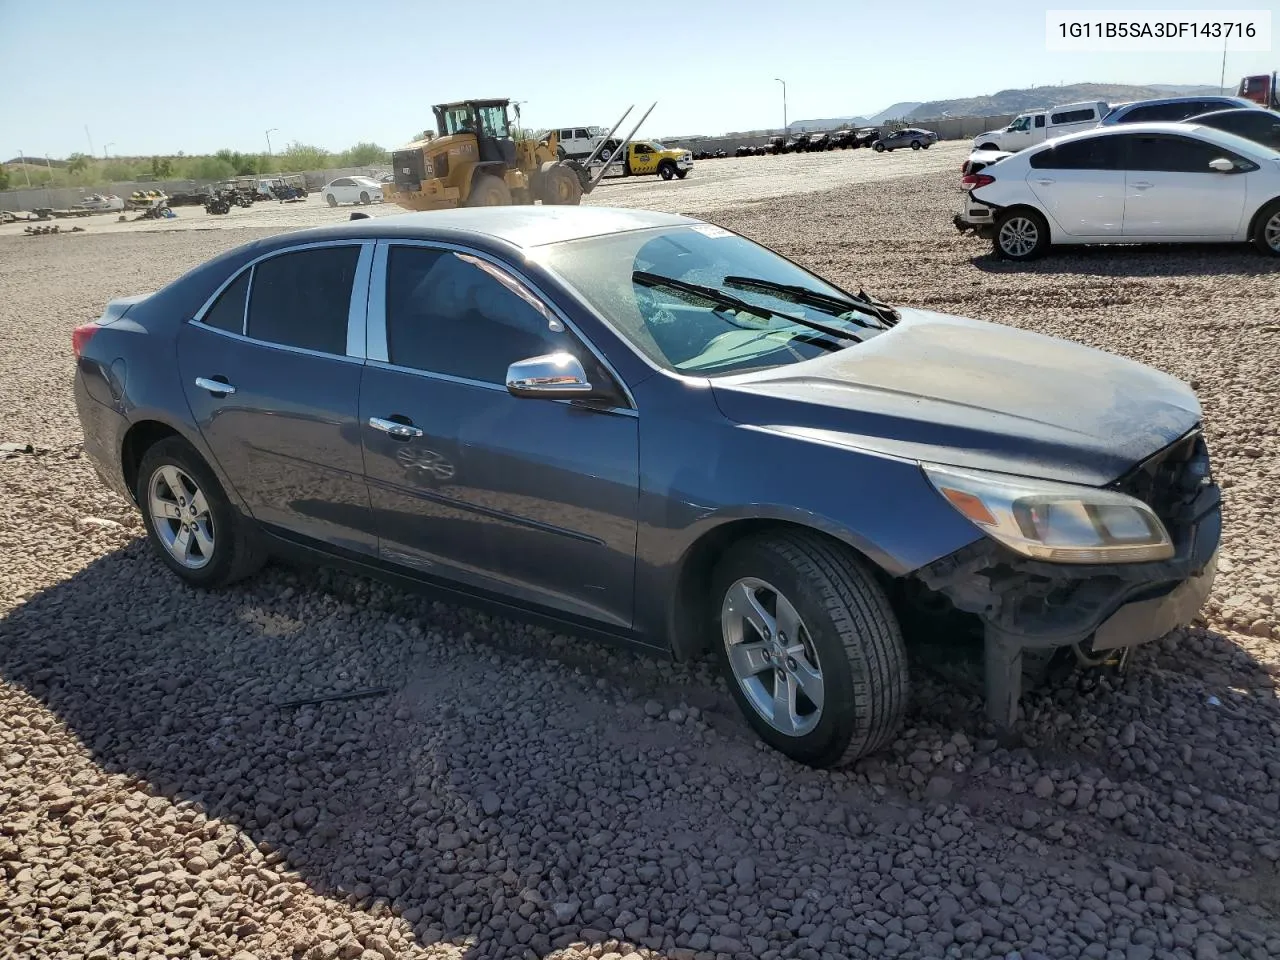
pixel 475 161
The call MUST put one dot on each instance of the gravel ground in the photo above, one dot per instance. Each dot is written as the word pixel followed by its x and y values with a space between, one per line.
pixel 523 794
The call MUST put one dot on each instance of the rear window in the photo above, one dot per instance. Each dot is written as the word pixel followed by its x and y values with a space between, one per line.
pixel 302 299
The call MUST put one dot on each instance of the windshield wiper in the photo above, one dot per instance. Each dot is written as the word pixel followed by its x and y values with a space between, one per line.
pixel 863 302
pixel 727 301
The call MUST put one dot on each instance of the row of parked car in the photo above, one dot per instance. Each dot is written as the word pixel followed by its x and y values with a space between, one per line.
pixel 1191 174
pixel 914 138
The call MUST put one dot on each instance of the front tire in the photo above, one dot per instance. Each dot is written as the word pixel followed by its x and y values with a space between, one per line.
pixel 331 200
pixel 560 187
pixel 666 170
pixel 810 646
pixel 1021 234
pixel 191 524
pixel 878 147
pixel 1266 232
pixel 682 174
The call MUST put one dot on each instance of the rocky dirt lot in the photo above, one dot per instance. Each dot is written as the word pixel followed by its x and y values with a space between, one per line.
pixel 520 794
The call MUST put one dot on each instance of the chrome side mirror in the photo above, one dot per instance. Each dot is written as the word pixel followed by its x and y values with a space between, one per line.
pixel 1222 165
pixel 550 376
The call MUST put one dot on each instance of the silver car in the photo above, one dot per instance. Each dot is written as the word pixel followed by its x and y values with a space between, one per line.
pixel 912 137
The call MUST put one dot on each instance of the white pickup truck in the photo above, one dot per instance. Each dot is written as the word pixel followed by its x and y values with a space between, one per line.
pixel 1036 126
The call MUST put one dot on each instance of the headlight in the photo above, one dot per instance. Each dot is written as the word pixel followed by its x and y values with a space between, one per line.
pixel 1058 522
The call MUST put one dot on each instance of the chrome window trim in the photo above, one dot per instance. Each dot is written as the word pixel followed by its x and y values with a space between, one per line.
pixel 280 346
pixel 377 319
pixel 356 311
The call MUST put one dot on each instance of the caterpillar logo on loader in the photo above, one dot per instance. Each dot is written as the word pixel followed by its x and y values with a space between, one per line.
pixel 476 162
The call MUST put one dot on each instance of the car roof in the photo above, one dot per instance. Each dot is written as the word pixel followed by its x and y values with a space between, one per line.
pixel 519 226
pixel 1157 101
pixel 1223 138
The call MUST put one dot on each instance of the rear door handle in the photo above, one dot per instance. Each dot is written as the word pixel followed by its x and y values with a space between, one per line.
pixel 401 431
pixel 1045 182
pixel 216 387
pixel 1142 184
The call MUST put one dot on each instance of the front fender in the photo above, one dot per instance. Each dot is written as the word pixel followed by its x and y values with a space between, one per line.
pixel 701 472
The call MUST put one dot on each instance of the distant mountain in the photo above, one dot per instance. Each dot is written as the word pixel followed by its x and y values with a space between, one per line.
pixel 1031 98
pixel 1188 89
pixel 895 112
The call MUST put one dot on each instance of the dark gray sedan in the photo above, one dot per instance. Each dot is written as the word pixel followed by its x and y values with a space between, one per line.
pixel 646 427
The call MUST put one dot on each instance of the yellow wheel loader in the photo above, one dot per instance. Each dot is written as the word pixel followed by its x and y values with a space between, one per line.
pixel 477 162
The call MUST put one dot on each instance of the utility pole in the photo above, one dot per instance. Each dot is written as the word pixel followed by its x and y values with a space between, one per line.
pixel 22 157
pixel 1222 80
pixel 269 132
pixel 784 104
pixel 105 147
pixel 89 138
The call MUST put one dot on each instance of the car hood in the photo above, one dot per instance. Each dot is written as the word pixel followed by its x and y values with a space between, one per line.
pixel 972 394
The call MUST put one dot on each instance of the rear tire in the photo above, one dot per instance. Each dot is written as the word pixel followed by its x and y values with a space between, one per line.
pixel 845 644
pixel 1021 234
pixel 1266 232
pixel 364 196
pixel 487 191
pixel 915 144
pixel 225 547
pixel 331 200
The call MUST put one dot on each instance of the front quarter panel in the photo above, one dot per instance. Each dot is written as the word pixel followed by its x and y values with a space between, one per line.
pixel 699 471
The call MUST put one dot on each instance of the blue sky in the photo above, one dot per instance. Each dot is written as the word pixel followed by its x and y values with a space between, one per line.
pixel 144 77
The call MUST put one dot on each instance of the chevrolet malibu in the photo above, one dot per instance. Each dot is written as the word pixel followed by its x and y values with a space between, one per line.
pixel 645 427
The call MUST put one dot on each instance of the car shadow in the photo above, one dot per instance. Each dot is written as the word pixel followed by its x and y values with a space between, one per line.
pixel 1152 260
pixel 381 801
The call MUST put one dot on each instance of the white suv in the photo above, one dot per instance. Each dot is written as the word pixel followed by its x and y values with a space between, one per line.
pixel 1131 183
pixel 578 142
pixel 1036 126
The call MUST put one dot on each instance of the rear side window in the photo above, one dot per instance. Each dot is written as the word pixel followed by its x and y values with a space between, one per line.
pixel 1091 153
pixel 302 299
pixel 1039 121
pixel 1073 116
pixel 457 315
pixel 227 312
pixel 1162 112
pixel 1170 154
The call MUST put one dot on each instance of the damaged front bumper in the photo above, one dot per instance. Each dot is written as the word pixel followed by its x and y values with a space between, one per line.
pixel 1030 604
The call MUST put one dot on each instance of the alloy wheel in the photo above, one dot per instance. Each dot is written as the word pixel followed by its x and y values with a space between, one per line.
pixel 1271 232
pixel 772 656
pixel 180 516
pixel 1019 236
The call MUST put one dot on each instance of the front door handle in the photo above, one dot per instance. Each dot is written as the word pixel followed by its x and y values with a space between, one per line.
pixel 1044 182
pixel 1142 184
pixel 217 387
pixel 401 431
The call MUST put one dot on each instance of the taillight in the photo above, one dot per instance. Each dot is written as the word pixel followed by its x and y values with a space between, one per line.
pixel 81 336
pixel 975 180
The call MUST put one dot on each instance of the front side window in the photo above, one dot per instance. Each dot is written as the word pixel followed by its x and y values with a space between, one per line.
pixel 1020 124
pixel 581 134
pixel 455 314
pixel 302 299
pixel 493 122
pixel 1160 112
pixel 680 333
pixel 1172 154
